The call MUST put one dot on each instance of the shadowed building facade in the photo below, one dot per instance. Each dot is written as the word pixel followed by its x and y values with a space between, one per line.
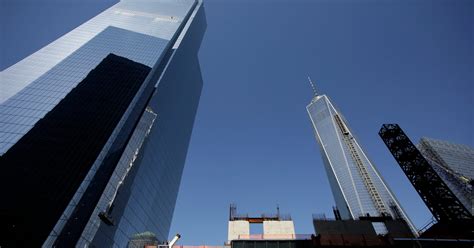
pixel 454 163
pixel 95 127
pixel 357 187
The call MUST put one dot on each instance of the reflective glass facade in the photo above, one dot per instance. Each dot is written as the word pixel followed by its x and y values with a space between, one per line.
pixel 111 106
pixel 357 187
pixel 454 163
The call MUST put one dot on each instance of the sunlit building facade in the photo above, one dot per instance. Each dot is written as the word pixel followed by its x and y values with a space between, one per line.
pixel 95 127
pixel 357 187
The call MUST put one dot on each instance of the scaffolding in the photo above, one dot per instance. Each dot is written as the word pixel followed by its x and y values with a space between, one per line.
pixel 233 215
pixel 440 200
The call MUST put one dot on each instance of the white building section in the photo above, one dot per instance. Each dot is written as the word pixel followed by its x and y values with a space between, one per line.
pixel 278 227
pixel 238 228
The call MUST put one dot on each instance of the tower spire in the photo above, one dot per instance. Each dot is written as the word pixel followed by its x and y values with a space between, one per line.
pixel 312 86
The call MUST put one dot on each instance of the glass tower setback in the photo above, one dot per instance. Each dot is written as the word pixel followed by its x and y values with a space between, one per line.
pixel 95 126
pixel 454 163
pixel 357 187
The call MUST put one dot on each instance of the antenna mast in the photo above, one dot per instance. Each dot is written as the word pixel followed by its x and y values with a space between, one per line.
pixel 315 93
pixel 278 211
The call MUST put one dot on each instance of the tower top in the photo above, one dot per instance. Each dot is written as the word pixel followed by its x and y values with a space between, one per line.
pixel 315 93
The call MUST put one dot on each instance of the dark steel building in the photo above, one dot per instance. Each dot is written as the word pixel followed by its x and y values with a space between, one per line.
pixel 453 219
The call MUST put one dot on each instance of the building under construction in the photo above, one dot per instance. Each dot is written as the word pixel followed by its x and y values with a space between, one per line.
pixel 454 163
pixel 279 232
pixel 453 220
pixel 358 189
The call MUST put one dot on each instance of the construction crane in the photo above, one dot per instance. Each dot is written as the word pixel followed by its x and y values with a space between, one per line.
pixel 171 243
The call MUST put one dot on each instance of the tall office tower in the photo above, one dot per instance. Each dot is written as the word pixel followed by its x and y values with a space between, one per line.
pixel 95 127
pixel 357 187
pixel 454 163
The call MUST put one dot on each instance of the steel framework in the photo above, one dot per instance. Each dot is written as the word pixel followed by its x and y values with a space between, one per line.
pixel 441 201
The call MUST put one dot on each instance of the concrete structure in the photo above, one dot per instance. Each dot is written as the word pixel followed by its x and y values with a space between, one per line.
pixel 272 243
pixel 95 127
pixel 272 229
pixel 357 186
pixel 237 228
pixel 275 226
pixel 329 233
pixel 278 227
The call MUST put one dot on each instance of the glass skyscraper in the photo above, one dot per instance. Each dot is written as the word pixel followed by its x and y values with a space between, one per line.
pixel 95 126
pixel 454 163
pixel 357 187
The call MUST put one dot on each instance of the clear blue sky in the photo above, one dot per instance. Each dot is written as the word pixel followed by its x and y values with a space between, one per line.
pixel 408 62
